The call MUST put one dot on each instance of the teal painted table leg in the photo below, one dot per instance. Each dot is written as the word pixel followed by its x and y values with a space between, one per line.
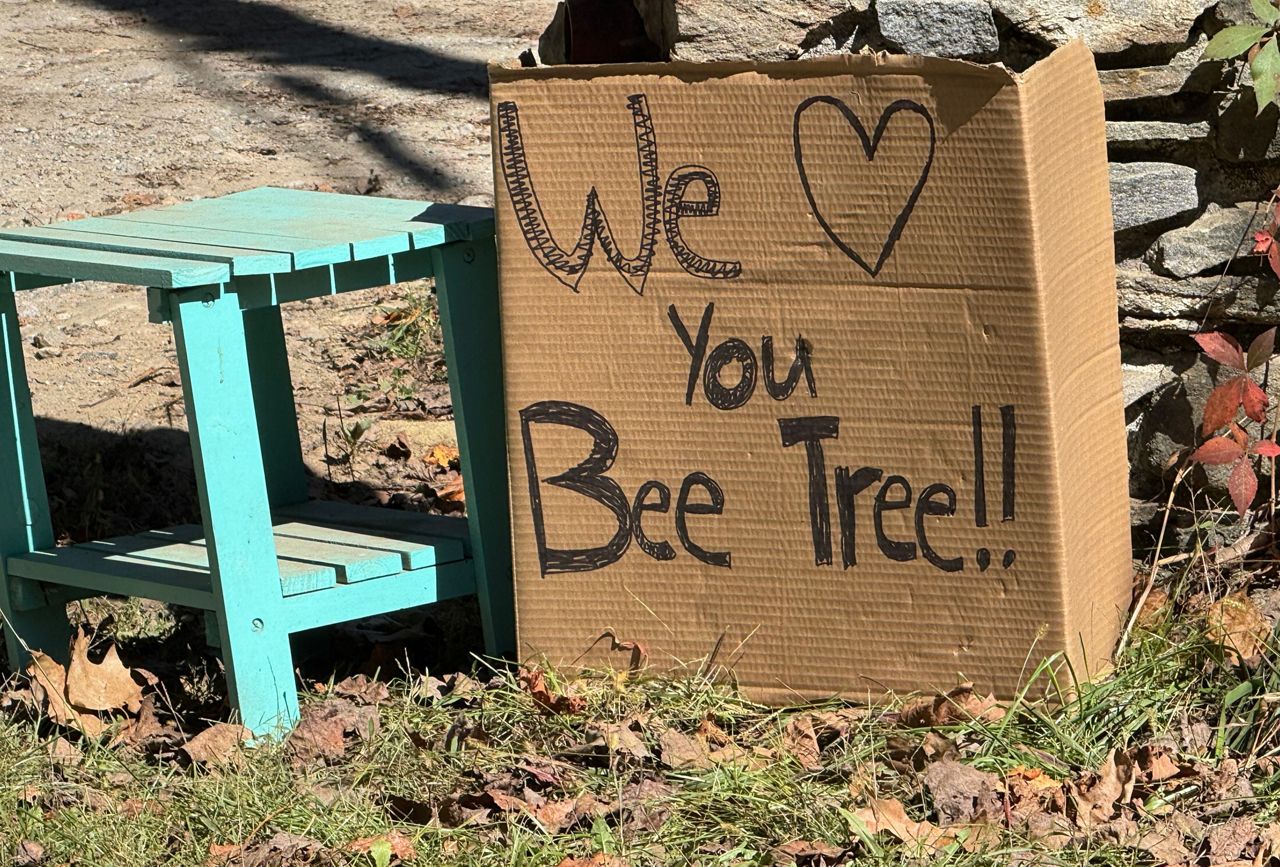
pixel 231 481
pixel 24 507
pixel 467 287
pixel 273 404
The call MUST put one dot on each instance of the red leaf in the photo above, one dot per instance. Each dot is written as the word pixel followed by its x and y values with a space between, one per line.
pixel 1273 258
pixel 1255 400
pixel 1262 348
pixel 1222 348
pixel 1267 449
pixel 1243 485
pixel 1262 243
pixel 1219 450
pixel 1238 434
pixel 1222 404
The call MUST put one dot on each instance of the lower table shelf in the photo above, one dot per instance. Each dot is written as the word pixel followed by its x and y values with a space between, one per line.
pixel 361 557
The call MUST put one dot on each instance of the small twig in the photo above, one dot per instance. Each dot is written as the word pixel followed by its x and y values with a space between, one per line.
pixel 1155 565
pixel 115 392
pixel 148 375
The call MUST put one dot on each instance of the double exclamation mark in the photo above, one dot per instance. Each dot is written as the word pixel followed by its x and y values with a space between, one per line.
pixel 1008 441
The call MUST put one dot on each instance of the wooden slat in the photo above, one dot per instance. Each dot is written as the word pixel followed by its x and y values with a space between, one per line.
pixel 429 224
pixel 372 519
pixel 167 273
pixel 365 237
pixel 350 564
pixel 393 593
pixel 181 546
pixel 415 551
pixel 107 572
pixel 306 253
pixel 36 281
pixel 241 260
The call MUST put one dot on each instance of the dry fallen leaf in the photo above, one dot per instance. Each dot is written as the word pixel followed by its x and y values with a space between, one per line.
pixel 443 456
pixel 218 746
pixel 103 686
pixel 400 846
pixel 680 751
pixel 959 705
pixel 1235 622
pixel 281 850
pixel 801 743
pixel 1155 765
pixel 1165 845
pixel 558 816
pixel 887 815
pixel 961 794
pixel 320 735
pixel 360 689
pixel 1150 614
pixel 63 752
pixel 399 449
pixel 809 852
pixel 49 687
pixel 29 854
pixel 453 491
pixel 534 682
pixel 1097 795
pixel 622 740
pixel 1227 842
pixel 145 732
pixel 599 859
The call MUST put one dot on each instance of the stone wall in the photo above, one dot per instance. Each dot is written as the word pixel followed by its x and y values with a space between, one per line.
pixel 1191 160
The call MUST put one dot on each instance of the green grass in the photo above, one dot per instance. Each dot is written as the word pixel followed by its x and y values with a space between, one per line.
pixel 1174 687
pixel 408 331
pixel 115 806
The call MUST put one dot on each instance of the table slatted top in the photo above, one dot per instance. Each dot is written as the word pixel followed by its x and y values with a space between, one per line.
pixel 262 231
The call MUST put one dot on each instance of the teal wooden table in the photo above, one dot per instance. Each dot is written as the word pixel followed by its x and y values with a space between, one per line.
pixel 265 562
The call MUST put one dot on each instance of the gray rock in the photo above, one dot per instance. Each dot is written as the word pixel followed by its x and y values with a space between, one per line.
pixel 1153 303
pixel 745 29
pixel 1229 12
pixel 1143 193
pixel 940 28
pixel 1217 236
pixel 1140 380
pixel 48 352
pixel 1244 135
pixel 1155 131
pixel 1143 512
pixel 40 340
pixel 1184 73
pixel 1105 25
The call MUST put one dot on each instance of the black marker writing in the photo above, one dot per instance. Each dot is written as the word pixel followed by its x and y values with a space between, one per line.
pixel 735 351
pixel 668 205
pixel 812 431
pixel 870 144
pixel 588 479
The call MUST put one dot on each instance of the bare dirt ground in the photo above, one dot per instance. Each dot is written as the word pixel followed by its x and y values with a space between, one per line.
pixel 111 105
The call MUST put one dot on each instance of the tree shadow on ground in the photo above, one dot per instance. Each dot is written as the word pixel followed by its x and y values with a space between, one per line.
pixel 289 43
pixel 103 484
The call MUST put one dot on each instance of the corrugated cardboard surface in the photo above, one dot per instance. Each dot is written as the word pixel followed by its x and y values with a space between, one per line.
pixel 998 293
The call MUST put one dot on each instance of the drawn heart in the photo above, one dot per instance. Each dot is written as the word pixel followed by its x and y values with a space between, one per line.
pixel 870 144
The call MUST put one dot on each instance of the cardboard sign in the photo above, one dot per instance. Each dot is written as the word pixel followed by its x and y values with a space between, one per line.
pixel 814 366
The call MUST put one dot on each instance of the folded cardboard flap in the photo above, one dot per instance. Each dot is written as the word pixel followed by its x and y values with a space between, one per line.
pixel 815 363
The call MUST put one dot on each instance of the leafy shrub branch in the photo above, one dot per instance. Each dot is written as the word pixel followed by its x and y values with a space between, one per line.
pixel 1257 43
